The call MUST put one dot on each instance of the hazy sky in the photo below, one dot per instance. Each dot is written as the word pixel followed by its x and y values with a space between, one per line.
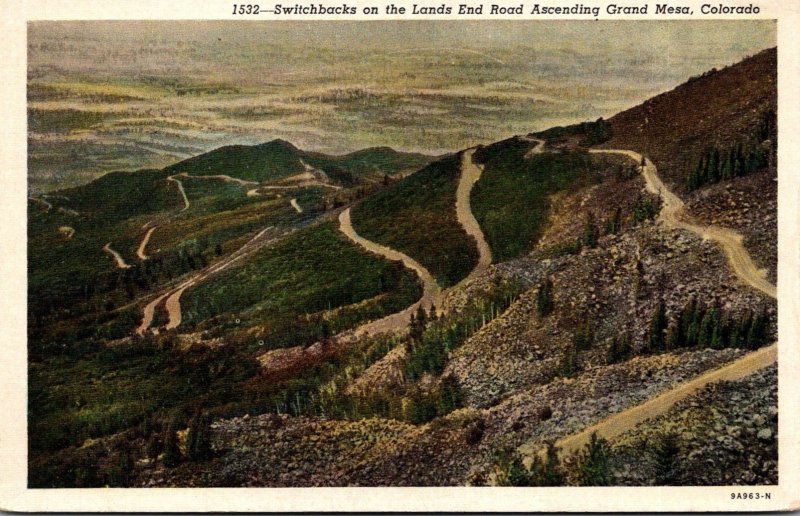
pixel 162 90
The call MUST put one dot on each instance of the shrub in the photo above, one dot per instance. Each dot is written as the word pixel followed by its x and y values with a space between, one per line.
pixel 593 463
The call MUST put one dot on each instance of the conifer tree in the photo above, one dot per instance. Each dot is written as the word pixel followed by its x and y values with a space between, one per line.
pixel 544 298
pixel 172 454
pixel 658 323
pixel 198 440
pixel 593 463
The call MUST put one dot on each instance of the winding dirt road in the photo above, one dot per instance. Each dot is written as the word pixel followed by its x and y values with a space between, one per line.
pixel 621 422
pixel 536 149
pixel 118 259
pixel 430 292
pixel 742 265
pixel 673 213
pixel 470 174
pixel 44 203
pixel 172 305
pixel 183 192
pixel 296 206
pixel 221 177
pixel 140 252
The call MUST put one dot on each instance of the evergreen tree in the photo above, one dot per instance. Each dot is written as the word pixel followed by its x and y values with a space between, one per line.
pixel 198 440
pixel 568 364
pixel 544 298
pixel 593 463
pixel 172 453
pixel 590 232
pixel 707 326
pixel 548 472
pixel 666 451
pixel 615 222
pixel 658 323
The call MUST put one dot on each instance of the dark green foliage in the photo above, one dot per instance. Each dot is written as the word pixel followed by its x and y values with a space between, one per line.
pixel 591 133
pixel 590 231
pixel 118 469
pixel 544 298
pixel 443 335
pixel 666 450
pixel 424 406
pixel 658 323
pixel 198 440
pixel 716 165
pixel 172 453
pixel 583 338
pixel 619 349
pixel 512 200
pixel 710 326
pixel 644 209
pixel 263 162
pixel 547 472
pixel 593 463
pixel 417 216
pixel 510 470
pixel 128 384
pixel 614 224
pixel 313 271
pixel 374 162
pixel 568 363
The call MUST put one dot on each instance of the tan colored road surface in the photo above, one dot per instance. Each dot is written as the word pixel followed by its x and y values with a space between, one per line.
pixel 118 259
pixel 536 149
pixel 173 295
pixel 221 177
pixel 140 252
pixel 183 192
pixel 399 320
pixel 627 419
pixel 296 206
pixel 470 174
pixel 671 212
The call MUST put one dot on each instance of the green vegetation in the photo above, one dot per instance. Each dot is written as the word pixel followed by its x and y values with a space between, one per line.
pixel 547 472
pixel 291 288
pixel 666 450
pixel 708 326
pixel 716 166
pixel 111 389
pixel 62 120
pixel 588 133
pixel 511 201
pixel 544 298
pixel 619 349
pixel 373 162
pixel 645 208
pixel 593 463
pixel 271 160
pixel 737 160
pixel 278 158
pixel 441 336
pixel 418 217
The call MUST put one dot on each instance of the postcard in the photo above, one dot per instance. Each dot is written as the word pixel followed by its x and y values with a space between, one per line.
pixel 375 256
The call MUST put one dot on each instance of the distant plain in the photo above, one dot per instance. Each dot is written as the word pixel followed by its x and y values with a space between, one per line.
pixel 111 95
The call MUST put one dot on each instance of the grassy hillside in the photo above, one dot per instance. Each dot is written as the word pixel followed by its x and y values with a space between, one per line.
pixel 279 158
pixel 372 162
pixel 271 160
pixel 511 200
pixel 418 217
pixel 286 289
